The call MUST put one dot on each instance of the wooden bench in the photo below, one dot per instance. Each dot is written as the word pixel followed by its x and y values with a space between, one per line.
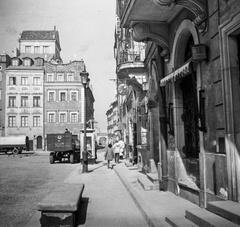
pixel 60 206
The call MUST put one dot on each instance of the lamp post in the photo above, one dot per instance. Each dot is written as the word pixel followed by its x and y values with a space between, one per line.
pixel 85 81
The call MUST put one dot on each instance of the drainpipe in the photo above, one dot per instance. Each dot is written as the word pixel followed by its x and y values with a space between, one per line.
pixel 163 162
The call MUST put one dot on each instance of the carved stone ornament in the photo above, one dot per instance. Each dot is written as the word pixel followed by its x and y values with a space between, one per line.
pixel 142 32
pixel 198 7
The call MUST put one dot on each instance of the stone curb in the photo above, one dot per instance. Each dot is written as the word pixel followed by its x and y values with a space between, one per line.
pixel 144 209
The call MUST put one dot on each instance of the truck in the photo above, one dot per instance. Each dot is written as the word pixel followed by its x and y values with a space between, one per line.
pixel 62 146
pixel 14 144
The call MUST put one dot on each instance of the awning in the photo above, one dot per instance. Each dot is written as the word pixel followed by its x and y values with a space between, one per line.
pixel 177 74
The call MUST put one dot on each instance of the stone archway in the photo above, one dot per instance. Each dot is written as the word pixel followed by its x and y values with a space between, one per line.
pixel 188 138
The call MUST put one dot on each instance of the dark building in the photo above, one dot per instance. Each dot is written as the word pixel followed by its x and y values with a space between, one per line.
pixel 190 106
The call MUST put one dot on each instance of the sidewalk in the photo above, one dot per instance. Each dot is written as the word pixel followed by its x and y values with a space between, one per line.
pixel 154 205
pixel 107 203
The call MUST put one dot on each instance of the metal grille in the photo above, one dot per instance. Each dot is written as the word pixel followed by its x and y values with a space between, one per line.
pixel 190 116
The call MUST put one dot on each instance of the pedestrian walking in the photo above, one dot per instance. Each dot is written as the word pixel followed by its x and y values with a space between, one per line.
pixel 116 149
pixel 109 155
pixel 121 148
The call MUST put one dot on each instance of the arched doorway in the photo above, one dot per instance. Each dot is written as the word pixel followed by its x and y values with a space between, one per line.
pixel 188 86
pixel 39 142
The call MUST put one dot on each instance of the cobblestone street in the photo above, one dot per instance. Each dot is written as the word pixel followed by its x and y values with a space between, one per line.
pixel 24 181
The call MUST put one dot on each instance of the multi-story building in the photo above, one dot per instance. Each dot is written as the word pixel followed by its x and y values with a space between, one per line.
pixel 43 95
pixel 191 107
pixel 43 43
pixel 64 98
pixel 112 121
pixel 4 62
pixel 24 99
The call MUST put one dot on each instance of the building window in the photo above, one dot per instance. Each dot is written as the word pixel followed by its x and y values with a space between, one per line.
pixel 39 62
pixel 36 49
pixel 51 117
pixel 12 121
pixel 27 62
pixel 15 62
pixel 50 78
pixel 73 117
pixel 36 121
pixel 45 49
pixel 62 96
pixel 51 96
pixel 73 96
pixel 36 101
pixel 24 101
pixel 12 80
pixel 12 101
pixel 62 117
pixel 36 80
pixel 24 121
pixel 60 78
pixel 28 49
pixel 24 80
pixel 70 77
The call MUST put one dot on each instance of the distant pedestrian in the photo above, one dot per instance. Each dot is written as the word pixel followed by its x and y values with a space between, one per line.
pixel 121 148
pixel 109 155
pixel 116 149
pixel 66 131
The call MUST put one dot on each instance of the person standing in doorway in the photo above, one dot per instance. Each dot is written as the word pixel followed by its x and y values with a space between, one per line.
pixel 121 148
pixel 116 148
pixel 109 155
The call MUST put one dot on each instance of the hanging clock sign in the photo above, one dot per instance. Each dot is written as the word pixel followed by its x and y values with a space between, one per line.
pixel 122 89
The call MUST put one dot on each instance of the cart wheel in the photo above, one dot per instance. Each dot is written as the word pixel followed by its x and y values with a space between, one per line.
pixel 15 150
pixel 71 158
pixel 52 159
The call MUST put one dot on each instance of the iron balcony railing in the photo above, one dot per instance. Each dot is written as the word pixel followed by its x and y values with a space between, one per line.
pixel 130 51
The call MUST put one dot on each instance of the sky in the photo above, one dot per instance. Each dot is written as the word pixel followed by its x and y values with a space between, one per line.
pixel 86 31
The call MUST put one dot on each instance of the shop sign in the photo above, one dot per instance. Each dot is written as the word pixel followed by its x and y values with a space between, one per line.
pixel 199 53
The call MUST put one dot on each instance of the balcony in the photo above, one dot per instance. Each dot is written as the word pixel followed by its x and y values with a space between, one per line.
pixel 130 58
pixel 150 20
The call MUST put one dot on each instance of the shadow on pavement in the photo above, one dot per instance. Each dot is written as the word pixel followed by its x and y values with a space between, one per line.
pixel 95 168
pixel 81 214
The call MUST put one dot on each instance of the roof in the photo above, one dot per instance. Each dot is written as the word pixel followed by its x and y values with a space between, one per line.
pixel 39 35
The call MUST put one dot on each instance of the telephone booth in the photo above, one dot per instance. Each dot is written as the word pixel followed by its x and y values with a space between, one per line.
pixel 90 143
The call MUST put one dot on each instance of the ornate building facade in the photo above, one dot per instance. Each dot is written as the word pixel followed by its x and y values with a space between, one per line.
pixel 189 105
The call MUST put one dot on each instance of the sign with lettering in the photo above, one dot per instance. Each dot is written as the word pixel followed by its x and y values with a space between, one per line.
pixel 199 53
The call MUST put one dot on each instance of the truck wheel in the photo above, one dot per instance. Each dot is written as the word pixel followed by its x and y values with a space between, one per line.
pixel 52 158
pixel 72 158
pixel 15 150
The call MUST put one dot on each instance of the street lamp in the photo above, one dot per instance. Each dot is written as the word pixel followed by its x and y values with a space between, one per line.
pixel 85 82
